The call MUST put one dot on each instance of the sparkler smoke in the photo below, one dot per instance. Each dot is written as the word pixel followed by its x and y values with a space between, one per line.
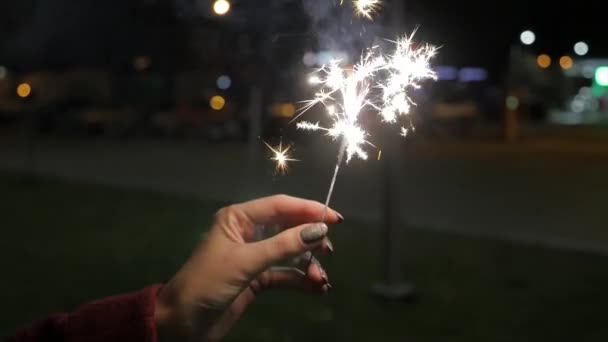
pixel 338 32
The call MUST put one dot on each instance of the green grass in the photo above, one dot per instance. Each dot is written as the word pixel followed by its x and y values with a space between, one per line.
pixel 64 244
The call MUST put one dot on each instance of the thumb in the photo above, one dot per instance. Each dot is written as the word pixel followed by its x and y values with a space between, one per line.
pixel 290 243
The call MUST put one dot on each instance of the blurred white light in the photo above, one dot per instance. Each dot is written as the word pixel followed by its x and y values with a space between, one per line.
pixel 588 71
pixel 3 72
pixel 581 48
pixel 224 82
pixel 601 76
pixel 309 59
pixel 221 7
pixel 585 92
pixel 577 106
pixel 314 80
pixel 527 37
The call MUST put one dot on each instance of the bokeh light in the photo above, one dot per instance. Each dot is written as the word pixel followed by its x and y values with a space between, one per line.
pixel 224 82
pixel 581 48
pixel 588 71
pixel 141 63
pixel 544 61
pixel 566 62
pixel 512 102
pixel 527 37
pixel 601 76
pixel 577 106
pixel 217 102
pixel 221 7
pixel 287 110
pixel 24 90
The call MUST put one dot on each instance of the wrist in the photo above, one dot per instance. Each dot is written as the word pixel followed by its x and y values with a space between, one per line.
pixel 165 318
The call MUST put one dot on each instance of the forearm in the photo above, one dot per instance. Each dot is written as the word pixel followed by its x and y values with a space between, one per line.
pixel 128 317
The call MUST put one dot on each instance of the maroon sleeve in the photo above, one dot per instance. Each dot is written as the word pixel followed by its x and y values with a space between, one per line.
pixel 127 317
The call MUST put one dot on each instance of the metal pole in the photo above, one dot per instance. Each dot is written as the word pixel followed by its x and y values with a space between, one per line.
pixel 392 286
pixel 255 120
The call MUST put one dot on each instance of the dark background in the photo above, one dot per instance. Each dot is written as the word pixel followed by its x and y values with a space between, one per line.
pixel 488 222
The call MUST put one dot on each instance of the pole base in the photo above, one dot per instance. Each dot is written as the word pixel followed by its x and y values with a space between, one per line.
pixel 394 291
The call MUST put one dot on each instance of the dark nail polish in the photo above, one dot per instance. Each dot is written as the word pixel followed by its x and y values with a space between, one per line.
pixel 340 218
pixel 314 233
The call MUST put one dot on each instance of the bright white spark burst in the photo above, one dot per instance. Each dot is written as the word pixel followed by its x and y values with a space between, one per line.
pixel 365 8
pixel 378 82
pixel 281 157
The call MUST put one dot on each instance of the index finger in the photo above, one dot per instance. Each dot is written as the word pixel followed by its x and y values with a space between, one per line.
pixel 287 210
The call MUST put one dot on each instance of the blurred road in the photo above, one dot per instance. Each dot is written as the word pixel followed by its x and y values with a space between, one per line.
pixel 548 191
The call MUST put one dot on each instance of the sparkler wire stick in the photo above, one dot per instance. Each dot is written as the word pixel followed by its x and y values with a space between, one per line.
pixel 334 178
pixel 330 192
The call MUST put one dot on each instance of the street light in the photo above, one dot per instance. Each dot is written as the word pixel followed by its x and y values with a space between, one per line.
pixel 24 90
pixel 527 37
pixel 543 61
pixel 601 76
pixel 566 62
pixel 581 48
pixel 221 7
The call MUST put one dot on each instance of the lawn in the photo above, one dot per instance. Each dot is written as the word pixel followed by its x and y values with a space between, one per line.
pixel 66 243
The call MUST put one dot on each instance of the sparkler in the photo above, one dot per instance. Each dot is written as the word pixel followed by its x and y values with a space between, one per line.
pixel 380 83
pixel 281 157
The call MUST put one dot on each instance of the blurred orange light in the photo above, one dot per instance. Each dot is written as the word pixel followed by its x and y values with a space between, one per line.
pixel 217 102
pixel 24 90
pixel 566 62
pixel 287 110
pixel 544 61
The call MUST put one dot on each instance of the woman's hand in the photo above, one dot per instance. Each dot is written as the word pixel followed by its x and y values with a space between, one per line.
pixel 228 270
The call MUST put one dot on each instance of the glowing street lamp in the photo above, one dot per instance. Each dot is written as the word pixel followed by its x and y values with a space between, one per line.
pixel 566 62
pixel 24 90
pixel 221 7
pixel 581 48
pixel 527 37
pixel 601 76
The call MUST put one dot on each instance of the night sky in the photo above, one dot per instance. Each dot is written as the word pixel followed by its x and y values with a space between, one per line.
pixel 472 32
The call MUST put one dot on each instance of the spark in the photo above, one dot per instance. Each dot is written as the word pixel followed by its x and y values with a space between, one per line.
pixel 379 83
pixel 365 8
pixel 281 157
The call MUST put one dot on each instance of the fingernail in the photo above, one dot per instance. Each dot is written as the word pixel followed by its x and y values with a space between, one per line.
pixel 323 274
pixel 340 217
pixel 314 233
pixel 329 287
pixel 330 246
